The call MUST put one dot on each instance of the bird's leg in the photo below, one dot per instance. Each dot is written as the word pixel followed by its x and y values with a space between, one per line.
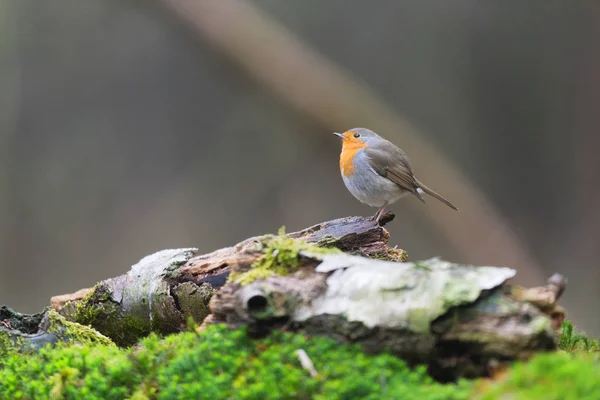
pixel 378 214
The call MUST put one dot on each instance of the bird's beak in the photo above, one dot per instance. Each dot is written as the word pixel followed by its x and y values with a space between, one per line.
pixel 339 135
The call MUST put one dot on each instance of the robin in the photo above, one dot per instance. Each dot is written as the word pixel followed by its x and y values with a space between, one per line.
pixel 377 172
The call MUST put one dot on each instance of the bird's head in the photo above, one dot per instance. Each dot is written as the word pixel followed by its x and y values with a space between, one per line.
pixel 358 137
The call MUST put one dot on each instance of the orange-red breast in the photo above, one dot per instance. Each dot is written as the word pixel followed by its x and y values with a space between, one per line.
pixel 377 172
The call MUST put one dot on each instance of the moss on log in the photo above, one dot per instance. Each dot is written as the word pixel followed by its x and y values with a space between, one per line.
pixel 23 333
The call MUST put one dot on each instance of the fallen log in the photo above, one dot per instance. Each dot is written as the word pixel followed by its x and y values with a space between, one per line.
pixel 340 279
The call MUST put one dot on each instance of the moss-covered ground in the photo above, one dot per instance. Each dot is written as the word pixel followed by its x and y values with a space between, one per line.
pixel 217 363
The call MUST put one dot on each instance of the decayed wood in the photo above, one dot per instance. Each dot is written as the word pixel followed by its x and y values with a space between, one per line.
pixel 164 289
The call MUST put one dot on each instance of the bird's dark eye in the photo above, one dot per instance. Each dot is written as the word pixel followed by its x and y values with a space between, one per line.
pixel 357 135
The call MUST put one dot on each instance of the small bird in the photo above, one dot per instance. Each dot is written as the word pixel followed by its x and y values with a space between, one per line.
pixel 377 172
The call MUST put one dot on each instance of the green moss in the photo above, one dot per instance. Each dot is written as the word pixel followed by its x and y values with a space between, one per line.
pixel 91 306
pixel 193 299
pixel 395 255
pixel 218 363
pixel 98 311
pixel 570 374
pixel 61 381
pixel 572 341
pixel 68 372
pixel 551 376
pixel 135 328
pixel 280 257
pixel 59 329
pixel 75 332
pixel 7 346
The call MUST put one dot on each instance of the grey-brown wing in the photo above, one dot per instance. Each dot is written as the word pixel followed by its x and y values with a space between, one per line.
pixel 393 164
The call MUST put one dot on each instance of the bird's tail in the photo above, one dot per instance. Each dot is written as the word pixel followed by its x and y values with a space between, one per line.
pixel 433 193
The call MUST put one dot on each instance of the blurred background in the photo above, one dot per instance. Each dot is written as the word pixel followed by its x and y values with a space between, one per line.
pixel 129 126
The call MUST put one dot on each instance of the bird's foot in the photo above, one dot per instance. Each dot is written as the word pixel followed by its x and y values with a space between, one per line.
pixel 382 219
pixel 377 215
